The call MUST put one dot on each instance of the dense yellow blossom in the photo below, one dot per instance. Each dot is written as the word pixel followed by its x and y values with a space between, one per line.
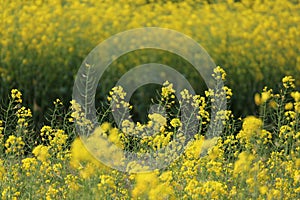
pixel 80 154
pixel 175 122
pixel 167 90
pixel 2 169
pixel 41 152
pixel 256 41
pixel 149 186
pixel 158 121
pixel 14 145
pixel 251 127
pixel 72 182
pixel 16 95
pixel 243 165
pixel 288 81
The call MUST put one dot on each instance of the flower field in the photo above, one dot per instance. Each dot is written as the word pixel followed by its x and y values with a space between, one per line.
pixel 254 158
pixel 257 155
pixel 44 42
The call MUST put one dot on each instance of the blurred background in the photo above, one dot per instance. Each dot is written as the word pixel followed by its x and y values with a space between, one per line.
pixel 44 42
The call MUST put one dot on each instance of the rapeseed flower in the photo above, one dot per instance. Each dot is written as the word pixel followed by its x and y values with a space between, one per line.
pixel 175 123
pixel 14 145
pixel 2 170
pixel 167 90
pixel 16 95
pixel 243 165
pixel 288 82
pixel 251 127
pixel 29 165
pixel 41 152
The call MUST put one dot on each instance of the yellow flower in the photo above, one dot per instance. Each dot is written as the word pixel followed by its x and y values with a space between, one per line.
pixel 87 171
pixel 145 182
pixel 219 73
pixel 1 130
pixel 81 156
pixel 10 193
pixel 214 189
pixel 2 170
pixel 265 96
pixel 46 131
pixel 167 90
pixel 24 113
pixel 107 181
pixel 166 176
pixel 106 126
pixel 128 127
pixel 29 165
pixel 161 191
pixel 114 137
pixel 210 146
pixel 175 122
pixel 288 81
pixel 257 99
pixel 72 182
pixel 252 126
pixel 273 194
pixel 215 167
pixel 16 95
pixel 14 145
pixel 192 186
pixel 243 164
pixel 158 121
pixel 263 190
pixel 194 148
pixel 41 152
pixel 296 96
pixel 158 118
pixel 58 102
pixel 79 153
pixel 288 106
pixel 52 192
pixel 273 104
pixel 233 191
pixel 58 141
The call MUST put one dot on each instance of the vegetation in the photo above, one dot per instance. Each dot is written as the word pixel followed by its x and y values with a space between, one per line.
pixel 257 155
